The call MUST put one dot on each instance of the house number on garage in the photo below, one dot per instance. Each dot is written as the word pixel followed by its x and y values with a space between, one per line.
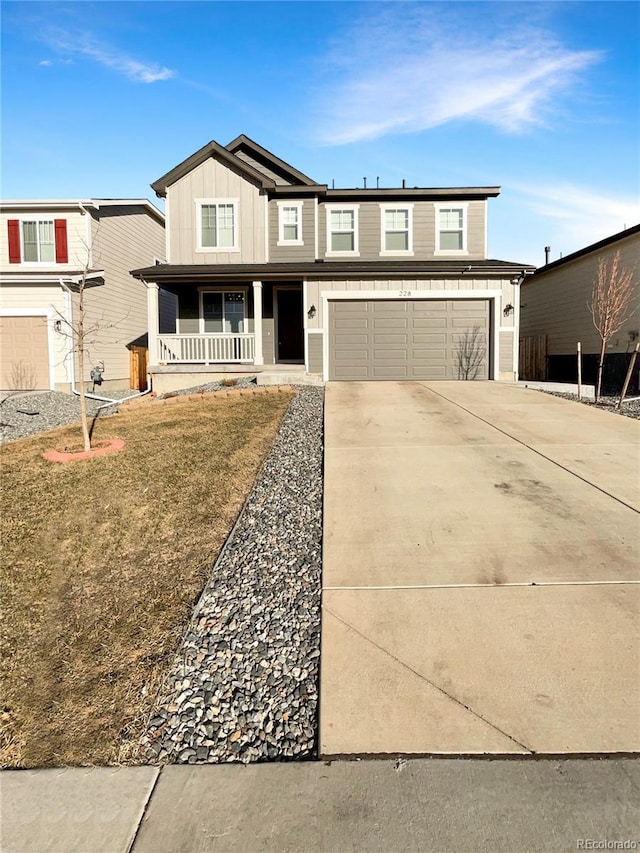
pixel 404 292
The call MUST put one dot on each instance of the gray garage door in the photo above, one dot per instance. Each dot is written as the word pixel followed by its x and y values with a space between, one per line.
pixel 409 339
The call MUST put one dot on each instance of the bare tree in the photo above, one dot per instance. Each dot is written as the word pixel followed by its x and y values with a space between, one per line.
pixel 470 353
pixel 610 305
pixel 81 333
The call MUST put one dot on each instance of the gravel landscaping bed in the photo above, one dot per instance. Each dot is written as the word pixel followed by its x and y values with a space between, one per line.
pixel 29 414
pixel 24 415
pixel 630 408
pixel 244 685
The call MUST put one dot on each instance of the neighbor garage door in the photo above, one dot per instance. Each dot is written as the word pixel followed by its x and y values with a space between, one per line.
pixel 409 339
pixel 24 354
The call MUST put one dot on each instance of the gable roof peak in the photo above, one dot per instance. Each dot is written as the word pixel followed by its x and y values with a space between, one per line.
pixel 267 158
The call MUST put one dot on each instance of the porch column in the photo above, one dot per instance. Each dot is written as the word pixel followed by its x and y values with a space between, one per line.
pixel 257 322
pixel 153 322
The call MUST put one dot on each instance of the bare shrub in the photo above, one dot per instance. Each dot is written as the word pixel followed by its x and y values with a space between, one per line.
pixel 471 350
pixel 22 376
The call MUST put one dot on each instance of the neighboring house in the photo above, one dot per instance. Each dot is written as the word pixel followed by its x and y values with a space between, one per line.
pixel 44 248
pixel 272 268
pixel 555 315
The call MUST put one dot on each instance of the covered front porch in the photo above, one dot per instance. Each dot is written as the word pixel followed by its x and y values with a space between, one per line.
pixel 234 324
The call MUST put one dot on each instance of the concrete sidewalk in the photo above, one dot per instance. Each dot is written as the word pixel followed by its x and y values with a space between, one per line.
pixel 426 805
pixel 481 572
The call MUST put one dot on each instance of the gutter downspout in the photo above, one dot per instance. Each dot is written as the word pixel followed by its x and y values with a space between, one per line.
pixel 108 401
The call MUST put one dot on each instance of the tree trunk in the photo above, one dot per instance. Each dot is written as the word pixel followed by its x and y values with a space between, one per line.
pixel 86 438
pixel 600 365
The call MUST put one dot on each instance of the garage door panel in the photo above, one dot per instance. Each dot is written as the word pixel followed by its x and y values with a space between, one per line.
pixel 24 354
pixel 352 323
pixel 435 330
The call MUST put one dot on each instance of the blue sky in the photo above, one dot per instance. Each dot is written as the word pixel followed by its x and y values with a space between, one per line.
pixel 102 98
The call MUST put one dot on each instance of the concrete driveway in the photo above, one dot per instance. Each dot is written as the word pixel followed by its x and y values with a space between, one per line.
pixel 481 572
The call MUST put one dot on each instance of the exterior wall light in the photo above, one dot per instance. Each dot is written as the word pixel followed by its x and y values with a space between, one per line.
pixel 311 313
pixel 508 309
pixel 57 325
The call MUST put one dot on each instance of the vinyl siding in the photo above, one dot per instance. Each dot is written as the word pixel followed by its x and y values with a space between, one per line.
pixel 293 254
pixel 315 289
pixel 557 304
pixel 76 240
pixel 314 352
pixel 505 350
pixel 124 238
pixel 48 298
pixel 424 230
pixel 212 180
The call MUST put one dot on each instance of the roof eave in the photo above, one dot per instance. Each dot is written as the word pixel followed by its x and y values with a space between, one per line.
pixel 282 165
pixel 211 149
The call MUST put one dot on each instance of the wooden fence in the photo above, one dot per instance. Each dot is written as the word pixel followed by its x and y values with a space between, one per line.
pixel 533 358
pixel 138 361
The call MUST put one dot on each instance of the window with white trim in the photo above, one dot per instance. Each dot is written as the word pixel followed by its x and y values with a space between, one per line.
pixel 397 227
pixel 218 225
pixel 223 311
pixel 451 222
pixel 38 241
pixel 290 224
pixel 342 230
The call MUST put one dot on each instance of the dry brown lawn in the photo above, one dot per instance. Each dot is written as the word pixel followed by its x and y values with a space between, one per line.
pixel 103 561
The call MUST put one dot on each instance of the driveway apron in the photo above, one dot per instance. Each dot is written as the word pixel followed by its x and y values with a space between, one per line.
pixel 481 572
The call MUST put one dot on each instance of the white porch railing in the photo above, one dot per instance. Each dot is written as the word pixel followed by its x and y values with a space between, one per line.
pixel 206 348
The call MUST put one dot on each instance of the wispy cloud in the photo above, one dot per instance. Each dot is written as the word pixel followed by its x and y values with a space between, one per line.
pixel 578 215
pixel 410 68
pixel 88 46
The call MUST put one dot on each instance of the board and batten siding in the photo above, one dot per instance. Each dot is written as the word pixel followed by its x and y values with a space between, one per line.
pixel 77 239
pixel 424 229
pixel 317 287
pixel 213 180
pixel 124 238
pixel 556 303
pixel 293 254
pixel 47 299
pixel 314 352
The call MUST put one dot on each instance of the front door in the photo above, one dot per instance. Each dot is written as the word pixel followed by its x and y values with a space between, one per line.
pixel 289 324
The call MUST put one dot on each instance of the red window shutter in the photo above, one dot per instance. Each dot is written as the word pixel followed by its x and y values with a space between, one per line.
pixel 14 241
pixel 62 253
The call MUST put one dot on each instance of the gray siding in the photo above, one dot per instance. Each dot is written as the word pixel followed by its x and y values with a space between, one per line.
pixel 293 254
pixel 556 304
pixel 168 311
pixel 424 230
pixel 505 352
pixel 124 238
pixel 314 352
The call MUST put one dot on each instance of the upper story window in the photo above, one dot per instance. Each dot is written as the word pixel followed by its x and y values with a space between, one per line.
pixel 397 230
pixel 451 228
pixel 290 223
pixel 217 225
pixel 342 230
pixel 37 241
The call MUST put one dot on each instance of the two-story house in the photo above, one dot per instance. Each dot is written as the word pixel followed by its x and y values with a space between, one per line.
pixel 46 249
pixel 270 268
